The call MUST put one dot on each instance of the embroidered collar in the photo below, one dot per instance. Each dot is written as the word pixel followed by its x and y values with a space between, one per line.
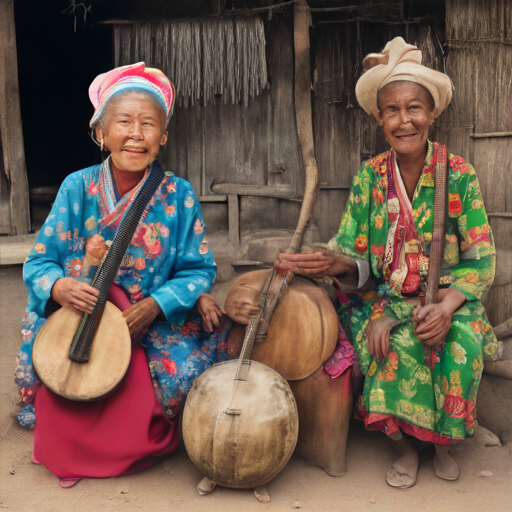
pixel 113 211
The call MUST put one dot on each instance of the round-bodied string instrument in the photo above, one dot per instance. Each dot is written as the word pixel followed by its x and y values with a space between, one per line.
pixel 240 423
pixel 240 432
pixel 84 357
pixel 249 410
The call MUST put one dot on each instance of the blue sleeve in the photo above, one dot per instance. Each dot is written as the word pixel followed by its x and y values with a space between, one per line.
pixel 194 269
pixel 45 262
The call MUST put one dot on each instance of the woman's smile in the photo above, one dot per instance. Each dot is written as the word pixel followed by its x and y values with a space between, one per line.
pixel 135 151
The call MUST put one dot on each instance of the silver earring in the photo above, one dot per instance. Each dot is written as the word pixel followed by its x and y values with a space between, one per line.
pixel 101 146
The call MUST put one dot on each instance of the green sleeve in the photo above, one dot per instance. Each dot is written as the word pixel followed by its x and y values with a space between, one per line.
pixel 474 273
pixel 352 236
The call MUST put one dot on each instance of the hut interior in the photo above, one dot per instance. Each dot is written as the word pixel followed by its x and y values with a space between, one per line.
pixel 234 131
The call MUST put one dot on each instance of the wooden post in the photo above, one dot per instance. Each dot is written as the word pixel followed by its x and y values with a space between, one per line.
pixel 304 117
pixel 234 220
pixel 16 214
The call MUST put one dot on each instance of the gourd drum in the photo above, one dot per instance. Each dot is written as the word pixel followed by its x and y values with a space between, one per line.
pixel 303 332
pixel 109 359
pixel 246 445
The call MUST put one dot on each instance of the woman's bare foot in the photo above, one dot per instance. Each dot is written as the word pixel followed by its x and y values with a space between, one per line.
pixel 446 467
pixel 404 471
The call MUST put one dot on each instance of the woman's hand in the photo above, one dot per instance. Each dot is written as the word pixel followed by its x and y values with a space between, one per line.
pixel 243 303
pixel 434 322
pixel 316 264
pixel 210 311
pixel 141 314
pixel 435 319
pixel 68 291
pixel 377 335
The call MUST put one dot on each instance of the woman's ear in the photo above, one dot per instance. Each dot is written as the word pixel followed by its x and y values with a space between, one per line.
pixel 99 134
pixel 163 138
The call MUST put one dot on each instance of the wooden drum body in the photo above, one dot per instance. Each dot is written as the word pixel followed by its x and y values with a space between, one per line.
pixel 108 363
pixel 303 332
pixel 240 439
pixel 302 335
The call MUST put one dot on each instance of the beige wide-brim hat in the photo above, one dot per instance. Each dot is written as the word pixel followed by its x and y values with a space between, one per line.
pixel 400 61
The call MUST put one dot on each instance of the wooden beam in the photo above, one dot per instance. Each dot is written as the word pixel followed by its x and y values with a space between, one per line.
pixel 11 133
pixel 252 190
pixel 490 135
pixel 233 220
pixel 213 199
pixel 505 215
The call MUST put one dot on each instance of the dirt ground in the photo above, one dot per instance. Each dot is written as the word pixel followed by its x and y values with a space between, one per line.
pixel 485 482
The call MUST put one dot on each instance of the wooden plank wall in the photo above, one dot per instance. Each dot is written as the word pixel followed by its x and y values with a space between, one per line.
pixel 257 145
pixel 224 143
pixel 479 61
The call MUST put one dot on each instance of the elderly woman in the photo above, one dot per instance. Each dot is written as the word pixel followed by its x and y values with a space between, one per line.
pixel 167 268
pixel 386 231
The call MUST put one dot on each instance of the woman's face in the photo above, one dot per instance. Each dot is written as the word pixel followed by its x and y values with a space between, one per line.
pixel 133 132
pixel 407 112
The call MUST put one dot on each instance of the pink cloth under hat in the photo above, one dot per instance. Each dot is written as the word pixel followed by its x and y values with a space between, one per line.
pixel 400 61
pixel 133 76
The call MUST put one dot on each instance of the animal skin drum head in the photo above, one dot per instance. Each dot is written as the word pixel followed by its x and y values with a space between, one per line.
pixel 240 439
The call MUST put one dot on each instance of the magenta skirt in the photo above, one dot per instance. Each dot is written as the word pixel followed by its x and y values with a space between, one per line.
pixel 123 433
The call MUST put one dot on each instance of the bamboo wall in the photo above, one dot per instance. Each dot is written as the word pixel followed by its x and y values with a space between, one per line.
pixel 221 143
pixel 257 145
pixel 479 61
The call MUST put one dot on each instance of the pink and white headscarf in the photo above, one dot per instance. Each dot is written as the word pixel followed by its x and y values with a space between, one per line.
pixel 132 76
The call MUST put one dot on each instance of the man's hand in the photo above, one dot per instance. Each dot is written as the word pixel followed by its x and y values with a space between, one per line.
pixel 141 314
pixel 68 291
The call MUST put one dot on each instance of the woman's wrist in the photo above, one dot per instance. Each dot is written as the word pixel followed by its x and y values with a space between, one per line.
pixel 452 299
pixel 55 291
pixel 344 266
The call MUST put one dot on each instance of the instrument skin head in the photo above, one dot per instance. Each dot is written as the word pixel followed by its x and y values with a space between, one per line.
pixel 108 363
pixel 248 448
pixel 303 332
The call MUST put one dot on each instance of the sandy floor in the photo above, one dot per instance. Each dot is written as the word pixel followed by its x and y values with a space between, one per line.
pixel 485 483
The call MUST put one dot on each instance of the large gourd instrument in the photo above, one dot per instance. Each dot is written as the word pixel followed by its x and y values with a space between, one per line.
pixel 84 357
pixel 240 422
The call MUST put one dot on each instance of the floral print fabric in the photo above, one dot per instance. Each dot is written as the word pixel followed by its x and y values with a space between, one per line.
pixel 167 259
pixel 431 398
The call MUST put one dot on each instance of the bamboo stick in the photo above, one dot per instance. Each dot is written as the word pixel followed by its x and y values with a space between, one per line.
pixel 301 19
